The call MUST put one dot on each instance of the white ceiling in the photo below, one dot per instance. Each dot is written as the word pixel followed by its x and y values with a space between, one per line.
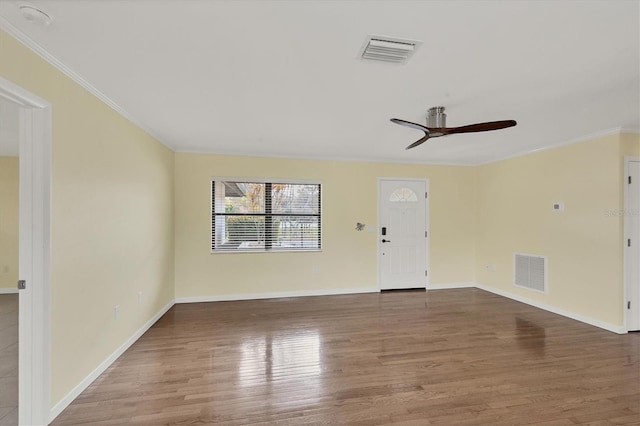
pixel 9 128
pixel 283 78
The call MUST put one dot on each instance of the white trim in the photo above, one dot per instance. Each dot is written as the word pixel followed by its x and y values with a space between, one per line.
pixel 587 320
pixel 626 234
pixel 41 120
pixel 12 98
pixel 319 158
pixel 8 290
pixel 276 295
pixel 44 54
pixel 450 286
pixel 34 370
pixel 254 251
pixel 80 387
pixel 244 179
pixel 334 292
pixel 583 138
pixel 579 139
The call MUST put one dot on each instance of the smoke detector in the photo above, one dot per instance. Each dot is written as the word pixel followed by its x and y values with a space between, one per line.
pixel 33 14
pixel 388 49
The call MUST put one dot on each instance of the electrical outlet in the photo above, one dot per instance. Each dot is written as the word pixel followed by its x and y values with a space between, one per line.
pixel 315 269
pixel 490 267
pixel 116 312
pixel 139 298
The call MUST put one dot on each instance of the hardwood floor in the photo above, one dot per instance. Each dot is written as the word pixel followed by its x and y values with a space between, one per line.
pixel 8 359
pixel 450 357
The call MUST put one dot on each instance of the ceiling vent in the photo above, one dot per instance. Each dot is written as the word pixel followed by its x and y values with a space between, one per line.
pixel 387 49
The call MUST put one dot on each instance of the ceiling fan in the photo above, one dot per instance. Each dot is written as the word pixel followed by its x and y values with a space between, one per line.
pixel 436 126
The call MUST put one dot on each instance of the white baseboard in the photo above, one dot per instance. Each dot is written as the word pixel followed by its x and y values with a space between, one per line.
pixel 8 290
pixel 75 392
pixel 276 295
pixel 448 286
pixel 587 320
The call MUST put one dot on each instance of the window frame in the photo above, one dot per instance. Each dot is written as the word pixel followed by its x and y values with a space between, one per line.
pixel 267 213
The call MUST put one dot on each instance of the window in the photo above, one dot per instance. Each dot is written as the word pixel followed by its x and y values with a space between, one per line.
pixel 265 216
pixel 403 195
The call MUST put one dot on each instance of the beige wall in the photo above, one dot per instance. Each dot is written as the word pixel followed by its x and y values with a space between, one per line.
pixel 112 220
pixel 583 244
pixel 9 178
pixel 630 144
pixel 348 259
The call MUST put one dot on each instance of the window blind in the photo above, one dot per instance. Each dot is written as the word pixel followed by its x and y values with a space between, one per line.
pixel 265 216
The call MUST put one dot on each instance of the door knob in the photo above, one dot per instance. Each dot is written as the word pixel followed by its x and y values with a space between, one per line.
pixel 386 241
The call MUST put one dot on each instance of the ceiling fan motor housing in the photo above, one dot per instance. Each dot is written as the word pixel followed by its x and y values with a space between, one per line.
pixel 437 126
pixel 436 117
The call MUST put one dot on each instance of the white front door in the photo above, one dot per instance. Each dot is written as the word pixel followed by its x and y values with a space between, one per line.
pixel 632 258
pixel 402 234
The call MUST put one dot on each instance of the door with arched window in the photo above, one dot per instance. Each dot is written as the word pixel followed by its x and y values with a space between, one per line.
pixel 403 234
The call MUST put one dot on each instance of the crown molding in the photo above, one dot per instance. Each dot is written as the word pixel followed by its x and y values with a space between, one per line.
pixel 60 66
pixel 583 138
pixel 322 158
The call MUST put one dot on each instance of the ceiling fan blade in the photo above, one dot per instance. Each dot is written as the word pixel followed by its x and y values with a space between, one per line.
pixel 480 127
pixel 410 124
pixel 419 141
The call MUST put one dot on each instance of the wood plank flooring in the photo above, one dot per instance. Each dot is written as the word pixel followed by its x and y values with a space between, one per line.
pixel 447 357
pixel 8 359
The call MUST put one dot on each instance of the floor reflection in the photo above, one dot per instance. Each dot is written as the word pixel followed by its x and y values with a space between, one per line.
pixel 268 358
pixel 530 336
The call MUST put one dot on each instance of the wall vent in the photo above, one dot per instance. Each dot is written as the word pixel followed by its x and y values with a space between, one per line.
pixel 530 271
pixel 387 49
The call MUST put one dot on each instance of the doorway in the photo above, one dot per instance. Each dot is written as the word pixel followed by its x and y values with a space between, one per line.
pixel 9 251
pixel 34 253
pixel 403 256
pixel 631 220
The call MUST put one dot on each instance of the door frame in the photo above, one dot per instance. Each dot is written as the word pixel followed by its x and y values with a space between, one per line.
pixel 34 316
pixel 426 218
pixel 627 234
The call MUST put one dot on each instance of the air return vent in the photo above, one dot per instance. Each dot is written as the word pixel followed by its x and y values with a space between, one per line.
pixel 530 271
pixel 388 49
